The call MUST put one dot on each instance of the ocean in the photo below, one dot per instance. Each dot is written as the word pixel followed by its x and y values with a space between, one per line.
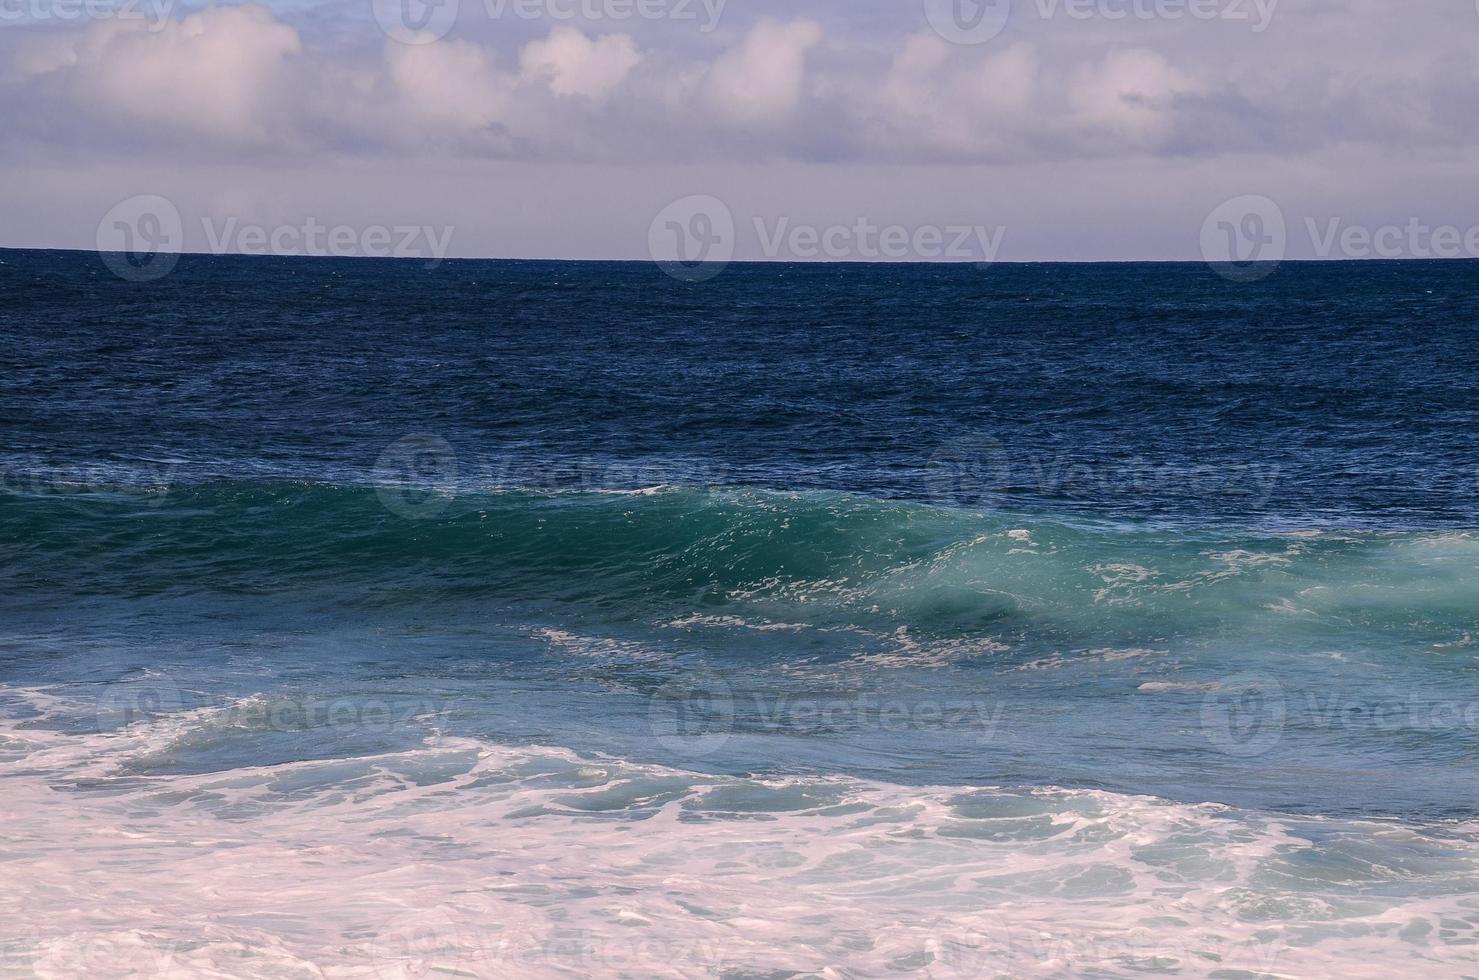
pixel 371 618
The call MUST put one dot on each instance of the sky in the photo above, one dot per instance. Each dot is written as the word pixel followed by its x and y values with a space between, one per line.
pixel 1009 130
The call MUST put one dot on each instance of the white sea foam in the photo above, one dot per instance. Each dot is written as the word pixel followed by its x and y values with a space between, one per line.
pixel 601 647
pixel 1178 687
pixel 736 622
pixel 462 858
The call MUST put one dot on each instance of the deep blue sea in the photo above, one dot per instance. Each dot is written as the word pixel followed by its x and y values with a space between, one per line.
pixel 507 619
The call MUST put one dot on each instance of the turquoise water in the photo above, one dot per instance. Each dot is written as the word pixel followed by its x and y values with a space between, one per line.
pixel 550 620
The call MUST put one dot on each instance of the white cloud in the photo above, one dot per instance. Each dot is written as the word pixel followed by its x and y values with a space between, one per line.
pixel 573 64
pixel 449 86
pixel 1129 92
pixel 761 80
pixel 922 53
pixel 220 72
pixel 1006 82
pixel 1350 103
pixel 232 81
pixel 933 97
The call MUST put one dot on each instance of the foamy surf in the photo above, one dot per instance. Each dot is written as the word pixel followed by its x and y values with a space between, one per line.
pixel 465 858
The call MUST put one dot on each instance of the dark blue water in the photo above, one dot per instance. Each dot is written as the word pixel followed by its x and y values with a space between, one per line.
pixel 1132 527
pixel 1329 394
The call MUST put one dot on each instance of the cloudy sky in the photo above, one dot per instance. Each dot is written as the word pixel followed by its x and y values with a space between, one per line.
pixel 1079 129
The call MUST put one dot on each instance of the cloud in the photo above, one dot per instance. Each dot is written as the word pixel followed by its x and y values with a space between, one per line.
pixel 450 86
pixel 1091 137
pixel 760 81
pixel 936 101
pixel 221 72
pixel 227 82
pixel 1003 83
pixel 575 65
pixel 1129 92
